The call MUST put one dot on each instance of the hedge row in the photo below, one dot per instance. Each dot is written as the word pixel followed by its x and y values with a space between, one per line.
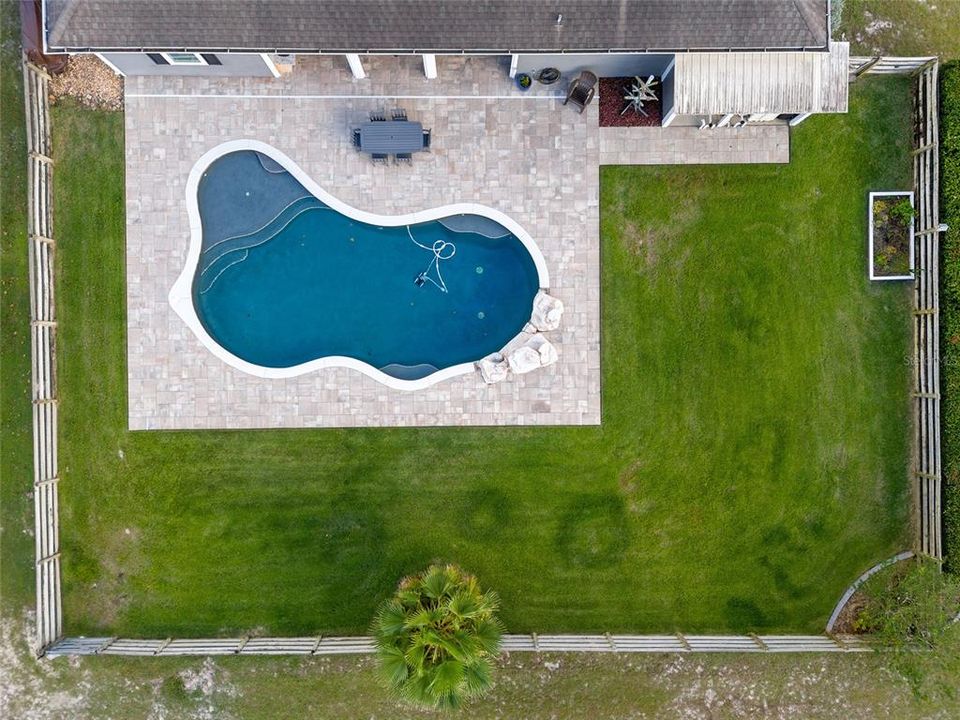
pixel 950 307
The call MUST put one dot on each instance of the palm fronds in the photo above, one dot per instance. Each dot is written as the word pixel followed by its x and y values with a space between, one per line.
pixel 437 637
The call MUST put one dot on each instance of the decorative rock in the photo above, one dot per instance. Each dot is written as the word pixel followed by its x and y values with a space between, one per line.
pixel 535 353
pixel 548 353
pixel 524 359
pixel 547 312
pixel 494 368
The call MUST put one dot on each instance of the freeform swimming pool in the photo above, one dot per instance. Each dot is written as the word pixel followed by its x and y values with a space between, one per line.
pixel 282 278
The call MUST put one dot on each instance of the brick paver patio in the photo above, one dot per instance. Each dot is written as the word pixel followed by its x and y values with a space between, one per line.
pixel 523 154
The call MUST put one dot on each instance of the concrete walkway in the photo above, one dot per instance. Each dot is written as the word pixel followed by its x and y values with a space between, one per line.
pixel 692 146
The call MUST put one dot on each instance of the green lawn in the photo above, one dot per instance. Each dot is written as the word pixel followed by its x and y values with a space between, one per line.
pixel 16 454
pixel 752 459
pixel 901 27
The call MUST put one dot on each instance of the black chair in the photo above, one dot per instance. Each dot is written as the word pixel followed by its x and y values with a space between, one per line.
pixel 426 139
pixel 404 158
pixel 356 138
pixel 378 159
pixel 399 114
pixel 377 116
pixel 582 90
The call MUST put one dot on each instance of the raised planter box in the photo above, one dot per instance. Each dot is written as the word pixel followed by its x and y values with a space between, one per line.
pixel 891 236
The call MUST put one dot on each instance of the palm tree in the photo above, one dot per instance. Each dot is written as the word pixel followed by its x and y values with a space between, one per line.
pixel 437 637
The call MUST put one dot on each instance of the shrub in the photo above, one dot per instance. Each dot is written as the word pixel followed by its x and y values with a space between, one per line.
pixel 910 605
pixel 950 309
pixel 902 211
pixel 911 609
pixel 437 637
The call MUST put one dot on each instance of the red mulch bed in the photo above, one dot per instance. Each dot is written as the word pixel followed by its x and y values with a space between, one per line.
pixel 612 103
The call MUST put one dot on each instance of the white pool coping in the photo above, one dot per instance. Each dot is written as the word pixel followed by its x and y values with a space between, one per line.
pixel 181 295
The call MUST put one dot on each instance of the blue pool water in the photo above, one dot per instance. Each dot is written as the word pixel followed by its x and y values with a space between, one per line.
pixel 284 279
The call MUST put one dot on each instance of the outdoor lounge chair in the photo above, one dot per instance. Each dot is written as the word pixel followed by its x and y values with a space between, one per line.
pixel 582 90
pixel 379 158
pixel 356 138
pixel 404 158
pixel 376 116
pixel 426 139
pixel 398 114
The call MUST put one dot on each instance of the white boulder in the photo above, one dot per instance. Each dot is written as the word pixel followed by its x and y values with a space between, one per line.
pixel 548 353
pixel 537 352
pixel 494 368
pixel 547 312
pixel 524 359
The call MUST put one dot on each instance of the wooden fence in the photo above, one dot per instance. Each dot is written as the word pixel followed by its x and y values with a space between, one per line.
pixel 926 334
pixel 887 65
pixel 327 646
pixel 927 471
pixel 43 336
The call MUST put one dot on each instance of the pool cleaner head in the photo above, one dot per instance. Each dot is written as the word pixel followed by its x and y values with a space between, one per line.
pixel 418 280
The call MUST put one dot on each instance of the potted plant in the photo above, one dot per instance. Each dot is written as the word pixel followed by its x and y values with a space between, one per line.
pixel 524 81
pixel 891 236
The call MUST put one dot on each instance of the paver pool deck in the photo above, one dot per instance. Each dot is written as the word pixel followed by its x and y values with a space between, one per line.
pixel 521 153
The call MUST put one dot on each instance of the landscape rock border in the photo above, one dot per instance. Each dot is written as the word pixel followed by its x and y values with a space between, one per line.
pixel 905 555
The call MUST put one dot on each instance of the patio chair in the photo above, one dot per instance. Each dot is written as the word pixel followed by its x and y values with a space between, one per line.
pixel 399 114
pixel 379 158
pixel 404 158
pixel 426 139
pixel 582 90
pixel 356 138
pixel 377 116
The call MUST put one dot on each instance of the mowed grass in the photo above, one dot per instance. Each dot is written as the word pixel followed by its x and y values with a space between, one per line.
pixel 16 454
pixel 752 459
pixel 901 27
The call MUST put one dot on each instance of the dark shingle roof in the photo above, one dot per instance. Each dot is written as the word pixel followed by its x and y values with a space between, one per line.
pixel 436 25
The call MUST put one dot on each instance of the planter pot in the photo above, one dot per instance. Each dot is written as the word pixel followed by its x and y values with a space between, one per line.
pixel 524 81
pixel 890 250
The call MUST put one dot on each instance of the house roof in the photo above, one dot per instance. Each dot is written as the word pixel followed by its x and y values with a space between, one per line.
pixel 754 82
pixel 435 25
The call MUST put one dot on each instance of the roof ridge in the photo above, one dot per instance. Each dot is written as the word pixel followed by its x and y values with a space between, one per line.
pixel 493 26
pixel 55 33
pixel 812 19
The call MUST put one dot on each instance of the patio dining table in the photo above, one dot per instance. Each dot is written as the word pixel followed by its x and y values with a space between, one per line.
pixel 390 137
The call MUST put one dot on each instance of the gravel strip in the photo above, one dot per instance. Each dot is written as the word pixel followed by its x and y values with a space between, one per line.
pixel 90 82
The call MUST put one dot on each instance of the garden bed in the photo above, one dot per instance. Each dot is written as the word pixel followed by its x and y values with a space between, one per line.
pixel 612 104
pixel 891 236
